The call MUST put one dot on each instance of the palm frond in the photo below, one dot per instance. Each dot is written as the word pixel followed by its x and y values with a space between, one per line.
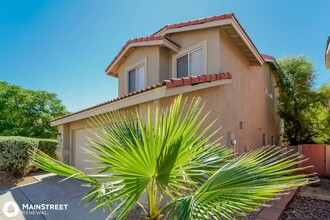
pixel 171 154
pixel 166 155
pixel 243 184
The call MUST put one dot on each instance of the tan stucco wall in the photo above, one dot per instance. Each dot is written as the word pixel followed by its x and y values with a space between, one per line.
pixel 64 147
pixel 165 70
pixel 66 139
pixel 230 108
pixel 137 55
pixel 160 59
pixel 189 39
pixel 245 99
pixel 220 101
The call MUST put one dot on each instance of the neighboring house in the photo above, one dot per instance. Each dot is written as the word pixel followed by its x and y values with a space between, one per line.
pixel 327 54
pixel 211 58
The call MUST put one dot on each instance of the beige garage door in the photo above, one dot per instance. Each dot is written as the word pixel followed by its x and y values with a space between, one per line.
pixel 80 156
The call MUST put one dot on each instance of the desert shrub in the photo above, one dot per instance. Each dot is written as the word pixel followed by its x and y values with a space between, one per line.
pixel 14 156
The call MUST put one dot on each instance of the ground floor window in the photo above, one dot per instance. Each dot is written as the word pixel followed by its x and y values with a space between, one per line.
pixel 264 140
pixel 273 141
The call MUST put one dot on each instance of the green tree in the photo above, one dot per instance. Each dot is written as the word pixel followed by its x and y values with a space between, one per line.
pixel 175 161
pixel 321 116
pixel 28 113
pixel 302 109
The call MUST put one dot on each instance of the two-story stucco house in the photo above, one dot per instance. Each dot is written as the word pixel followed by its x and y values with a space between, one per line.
pixel 211 58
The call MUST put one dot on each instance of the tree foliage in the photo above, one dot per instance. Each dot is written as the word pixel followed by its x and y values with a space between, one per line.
pixel 303 110
pixel 173 158
pixel 28 113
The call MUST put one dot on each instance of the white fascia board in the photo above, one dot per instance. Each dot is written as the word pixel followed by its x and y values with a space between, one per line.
pixel 271 61
pixel 147 96
pixel 123 103
pixel 171 46
pixel 135 44
pixel 146 43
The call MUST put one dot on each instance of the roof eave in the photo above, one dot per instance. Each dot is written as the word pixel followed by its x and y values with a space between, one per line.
pixel 272 62
pixel 175 86
pixel 247 41
pixel 112 69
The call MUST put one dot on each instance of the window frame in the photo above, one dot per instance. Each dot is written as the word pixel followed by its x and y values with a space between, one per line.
pixel 273 140
pixel 201 45
pixel 136 65
pixel 264 140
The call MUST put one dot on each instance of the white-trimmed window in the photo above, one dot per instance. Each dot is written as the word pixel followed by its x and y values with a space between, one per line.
pixel 136 78
pixel 190 64
pixel 190 61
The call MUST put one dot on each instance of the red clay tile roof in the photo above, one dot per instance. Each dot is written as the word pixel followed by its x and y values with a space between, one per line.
pixel 142 39
pixel 180 25
pixel 171 83
pixel 194 22
pixel 193 80
pixel 206 20
pixel 267 56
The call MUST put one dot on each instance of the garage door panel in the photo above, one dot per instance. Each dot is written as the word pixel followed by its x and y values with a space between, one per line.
pixel 81 142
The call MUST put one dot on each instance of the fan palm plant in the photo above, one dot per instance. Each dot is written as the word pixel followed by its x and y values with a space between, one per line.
pixel 175 160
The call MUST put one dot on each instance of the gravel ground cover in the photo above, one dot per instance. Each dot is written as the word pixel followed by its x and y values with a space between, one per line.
pixel 304 208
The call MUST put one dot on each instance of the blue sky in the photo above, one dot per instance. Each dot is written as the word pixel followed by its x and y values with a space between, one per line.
pixel 64 46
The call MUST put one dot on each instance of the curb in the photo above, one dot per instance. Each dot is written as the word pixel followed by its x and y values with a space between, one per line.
pixel 275 211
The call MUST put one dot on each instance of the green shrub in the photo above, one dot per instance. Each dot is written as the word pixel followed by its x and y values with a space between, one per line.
pixel 48 146
pixel 14 157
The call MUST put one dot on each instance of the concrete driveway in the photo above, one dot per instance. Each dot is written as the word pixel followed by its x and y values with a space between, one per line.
pixel 58 200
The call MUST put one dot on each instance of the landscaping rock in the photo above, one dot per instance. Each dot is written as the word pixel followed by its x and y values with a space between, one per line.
pixel 304 208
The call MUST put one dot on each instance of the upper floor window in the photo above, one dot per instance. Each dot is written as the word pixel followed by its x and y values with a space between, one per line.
pixel 136 79
pixel 190 64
